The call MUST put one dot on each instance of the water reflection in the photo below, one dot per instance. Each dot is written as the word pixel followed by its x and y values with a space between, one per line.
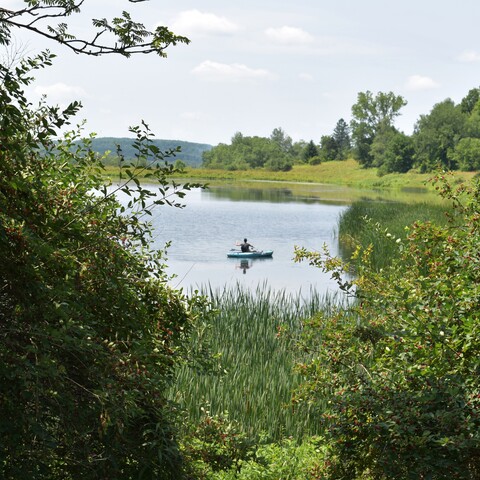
pixel 312 193
pixel 246 264
pixel 272 194
pixel 252 194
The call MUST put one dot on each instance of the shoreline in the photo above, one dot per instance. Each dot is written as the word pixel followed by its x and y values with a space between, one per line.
pixel 346 173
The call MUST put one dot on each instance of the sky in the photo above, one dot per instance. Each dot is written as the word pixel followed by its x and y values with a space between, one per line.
pixel 254 66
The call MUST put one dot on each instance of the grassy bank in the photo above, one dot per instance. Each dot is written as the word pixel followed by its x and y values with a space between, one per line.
pixel 379 224
pixel 348 173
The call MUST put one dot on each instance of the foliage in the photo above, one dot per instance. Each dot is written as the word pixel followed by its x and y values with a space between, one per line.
pixel 467 154
pixel 249 152
pixel 121 35
pixel 436 135
pixel 398 154
pixel 310 151
pixel 218 450
pixel 341 136
pixel 285 460
pixel 90 332
pixel 188 152
pixel 282 140
pixel 253 377
pixel 369 115
pixel 377 225
pixel 316 160
pixel 398 369
pixel 328 149
pixel 375 140
pixel 215 443
pixel 470 100
pixel 380 144
pixel 472 122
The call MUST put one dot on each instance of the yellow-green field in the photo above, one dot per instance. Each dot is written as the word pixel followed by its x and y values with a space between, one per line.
pixel 348 173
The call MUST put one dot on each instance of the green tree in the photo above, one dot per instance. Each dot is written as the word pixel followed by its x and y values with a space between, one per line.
pixel 279 137
pixel 248 152
pixel 436 135
pixel 341 135
pixel 297 151
pixel 328 148
pixel 467 154
pixel 394 375
pixel 368 115
pixel 310 151
pixel 470 100
pixel 399 154
pixel 472 123
pixel 380 143
pixel 90 330
pixel 179 165
pixel 392 151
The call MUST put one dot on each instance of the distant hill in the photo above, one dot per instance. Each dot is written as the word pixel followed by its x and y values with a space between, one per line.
pixel 191 153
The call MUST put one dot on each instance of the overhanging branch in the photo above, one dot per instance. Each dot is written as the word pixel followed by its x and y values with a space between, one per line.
pixel 127 37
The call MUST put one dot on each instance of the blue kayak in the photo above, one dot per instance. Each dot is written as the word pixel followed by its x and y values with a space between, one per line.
pixel 253 254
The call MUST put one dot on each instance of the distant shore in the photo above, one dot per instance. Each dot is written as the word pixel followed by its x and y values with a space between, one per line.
pixel 347 172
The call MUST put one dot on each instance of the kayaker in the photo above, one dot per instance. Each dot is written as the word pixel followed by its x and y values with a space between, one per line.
pixel 245 246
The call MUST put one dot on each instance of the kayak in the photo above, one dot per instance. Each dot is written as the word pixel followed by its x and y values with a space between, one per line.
pixel 253 254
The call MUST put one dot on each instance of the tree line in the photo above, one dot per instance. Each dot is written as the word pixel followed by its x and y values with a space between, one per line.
pixel 447 137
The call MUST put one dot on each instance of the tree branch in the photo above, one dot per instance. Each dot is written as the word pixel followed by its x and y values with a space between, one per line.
pixel 130 37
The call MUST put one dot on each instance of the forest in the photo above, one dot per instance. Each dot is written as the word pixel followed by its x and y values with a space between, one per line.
pixel 447 137
pixel 189 153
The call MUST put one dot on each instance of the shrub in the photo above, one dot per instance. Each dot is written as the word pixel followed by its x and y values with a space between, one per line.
pixel 90 332
pixel 396 373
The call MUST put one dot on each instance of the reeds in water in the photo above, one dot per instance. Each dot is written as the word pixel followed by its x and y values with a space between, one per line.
pixel 366 223
pixel 253 335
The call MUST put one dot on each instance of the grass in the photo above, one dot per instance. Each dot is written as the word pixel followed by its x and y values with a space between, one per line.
pixel 340 174
pixel 256 378
pixel 384 218
pixel 347 172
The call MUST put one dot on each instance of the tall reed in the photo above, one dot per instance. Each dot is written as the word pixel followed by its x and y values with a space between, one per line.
pixel 367 223
pixel 256 358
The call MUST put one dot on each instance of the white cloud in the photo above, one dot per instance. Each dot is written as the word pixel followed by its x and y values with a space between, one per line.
pixel 469 56
pixel 13 4
pixel 191 116
pixel 233 72
pixel 289 35
pixel 60 91
pixel 419 82
pixel 306 77
pixel 194 21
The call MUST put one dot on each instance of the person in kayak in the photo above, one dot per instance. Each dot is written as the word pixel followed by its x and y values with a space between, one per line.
pixel 245 246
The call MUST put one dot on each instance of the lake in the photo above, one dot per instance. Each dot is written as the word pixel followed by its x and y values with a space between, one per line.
pixel 271 216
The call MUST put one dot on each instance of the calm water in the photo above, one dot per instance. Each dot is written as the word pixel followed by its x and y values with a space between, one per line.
pixel 272 219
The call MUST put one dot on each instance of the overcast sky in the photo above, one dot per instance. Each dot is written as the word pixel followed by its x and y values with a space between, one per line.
pixel 253 66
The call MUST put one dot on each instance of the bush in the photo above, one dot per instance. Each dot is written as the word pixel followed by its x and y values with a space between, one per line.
pixel 90 332
pixel 395 375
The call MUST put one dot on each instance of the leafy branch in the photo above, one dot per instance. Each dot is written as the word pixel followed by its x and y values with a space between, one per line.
pixel 120 35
